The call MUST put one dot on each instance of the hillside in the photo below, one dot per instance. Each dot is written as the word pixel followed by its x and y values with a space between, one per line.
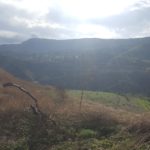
pixel 12 98
pixel 118 101
pixel 100 123
pixel 120 65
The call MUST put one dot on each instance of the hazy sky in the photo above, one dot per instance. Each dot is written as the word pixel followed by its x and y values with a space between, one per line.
pixel 64 19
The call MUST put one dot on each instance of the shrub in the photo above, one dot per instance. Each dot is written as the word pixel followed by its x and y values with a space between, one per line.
pixel 87 133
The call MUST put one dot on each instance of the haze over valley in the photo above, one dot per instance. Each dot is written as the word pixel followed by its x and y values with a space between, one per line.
pixel 121 65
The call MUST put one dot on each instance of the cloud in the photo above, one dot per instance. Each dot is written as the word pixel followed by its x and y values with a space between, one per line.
pixel 18 24
pixel 132 23
pixel 9 28
pixel 141 4
pixel 10 37
pixel 19 21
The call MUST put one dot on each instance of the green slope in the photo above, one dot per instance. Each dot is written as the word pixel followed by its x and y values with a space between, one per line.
pixel 120 101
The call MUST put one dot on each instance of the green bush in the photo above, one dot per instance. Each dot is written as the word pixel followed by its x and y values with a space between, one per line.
pixel 87 133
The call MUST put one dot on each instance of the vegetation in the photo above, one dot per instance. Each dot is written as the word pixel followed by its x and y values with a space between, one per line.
pixel 62 125
pixel 120 101
pixel 91 64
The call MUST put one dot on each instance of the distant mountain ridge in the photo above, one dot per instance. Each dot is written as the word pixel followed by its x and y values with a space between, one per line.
pixel 118 65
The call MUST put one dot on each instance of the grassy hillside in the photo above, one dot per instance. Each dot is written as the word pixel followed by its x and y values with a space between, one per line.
pixel 118 101
pixel 62 125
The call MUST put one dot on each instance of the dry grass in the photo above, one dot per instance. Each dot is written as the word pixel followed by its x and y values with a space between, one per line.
pixel 140 127
pixel 13 99
pixel 54 101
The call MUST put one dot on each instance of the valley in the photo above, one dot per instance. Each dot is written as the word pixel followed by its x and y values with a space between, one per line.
pixel 108 65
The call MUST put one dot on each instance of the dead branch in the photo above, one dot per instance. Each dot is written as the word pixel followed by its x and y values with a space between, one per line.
pixel 36 108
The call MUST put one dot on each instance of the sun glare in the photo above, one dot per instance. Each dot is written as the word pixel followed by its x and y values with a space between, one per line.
pixel 87 9
pixel 81 9
pixel 87 30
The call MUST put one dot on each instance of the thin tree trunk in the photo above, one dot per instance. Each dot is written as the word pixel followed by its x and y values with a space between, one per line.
pixel 81 99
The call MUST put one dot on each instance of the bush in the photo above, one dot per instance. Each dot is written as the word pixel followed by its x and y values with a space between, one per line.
pixel 87 133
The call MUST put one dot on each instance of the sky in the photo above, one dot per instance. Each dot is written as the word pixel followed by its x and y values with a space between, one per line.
pixel 71 19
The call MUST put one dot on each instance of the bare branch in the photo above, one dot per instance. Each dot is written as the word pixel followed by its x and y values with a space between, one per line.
pixel 36 109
